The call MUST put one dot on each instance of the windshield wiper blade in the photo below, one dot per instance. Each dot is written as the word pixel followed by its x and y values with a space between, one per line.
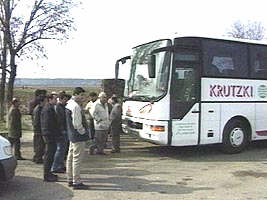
pixel 137 97
pixel 142 97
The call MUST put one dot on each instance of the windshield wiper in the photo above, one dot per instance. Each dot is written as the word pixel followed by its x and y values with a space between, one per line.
pixel 142 97
pixel 137 98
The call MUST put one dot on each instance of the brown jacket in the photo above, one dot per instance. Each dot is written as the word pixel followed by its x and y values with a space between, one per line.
pixel 14 122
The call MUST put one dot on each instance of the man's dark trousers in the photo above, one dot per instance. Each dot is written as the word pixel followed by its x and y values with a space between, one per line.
pixel 50 150
pixel 38 147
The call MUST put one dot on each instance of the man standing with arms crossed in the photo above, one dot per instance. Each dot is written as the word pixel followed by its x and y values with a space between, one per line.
pixel 77 130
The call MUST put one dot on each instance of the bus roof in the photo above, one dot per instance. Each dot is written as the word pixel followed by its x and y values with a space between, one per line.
pixel 224 38
pixel 262 42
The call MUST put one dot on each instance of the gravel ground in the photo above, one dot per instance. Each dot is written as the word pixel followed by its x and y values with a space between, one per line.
pixel 147 171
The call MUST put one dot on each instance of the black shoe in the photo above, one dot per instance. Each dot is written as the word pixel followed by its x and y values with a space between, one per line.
pixel 20 158
pixel 50 178
pixel 62 170
pixel 53 175
pixel 70 184
pixel 80 186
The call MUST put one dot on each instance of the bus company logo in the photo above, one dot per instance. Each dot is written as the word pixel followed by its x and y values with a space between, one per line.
pixel 129 112
pixel 146 109
pixel 231 91
pixel 262 91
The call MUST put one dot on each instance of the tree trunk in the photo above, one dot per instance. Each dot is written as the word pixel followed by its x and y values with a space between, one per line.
pixel 12 77
pixel 2 94
pixel 3 80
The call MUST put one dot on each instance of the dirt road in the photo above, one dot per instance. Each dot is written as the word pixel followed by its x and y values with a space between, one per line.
pixel 147 171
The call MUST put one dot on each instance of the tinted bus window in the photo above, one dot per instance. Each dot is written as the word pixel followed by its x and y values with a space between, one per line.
pixel 225 59
pixel 258 61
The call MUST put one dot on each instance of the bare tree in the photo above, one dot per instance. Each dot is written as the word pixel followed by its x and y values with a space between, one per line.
pixel 3 61
pixel 251 30
pixel 26 24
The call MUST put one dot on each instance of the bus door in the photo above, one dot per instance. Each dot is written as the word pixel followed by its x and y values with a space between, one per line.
pixel 184 106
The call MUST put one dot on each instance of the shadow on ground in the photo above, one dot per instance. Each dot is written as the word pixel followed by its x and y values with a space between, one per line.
pixel 255 151
pixel 29 188
pixel 133 184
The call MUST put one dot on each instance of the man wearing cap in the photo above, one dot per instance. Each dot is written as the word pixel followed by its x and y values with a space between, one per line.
pixel 101 122
pixel 14 128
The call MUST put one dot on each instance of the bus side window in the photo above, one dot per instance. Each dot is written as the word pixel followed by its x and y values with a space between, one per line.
pixel 258 62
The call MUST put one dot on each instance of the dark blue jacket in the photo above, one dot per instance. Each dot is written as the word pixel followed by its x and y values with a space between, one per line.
pixel 73 134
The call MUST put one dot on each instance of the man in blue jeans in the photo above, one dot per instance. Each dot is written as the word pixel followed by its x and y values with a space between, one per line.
pixel 58 164
pixel 50 132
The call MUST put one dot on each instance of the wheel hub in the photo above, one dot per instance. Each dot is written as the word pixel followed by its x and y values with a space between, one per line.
pixel 237 137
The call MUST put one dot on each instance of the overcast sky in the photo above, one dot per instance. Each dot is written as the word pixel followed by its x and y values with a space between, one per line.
pixel 107 30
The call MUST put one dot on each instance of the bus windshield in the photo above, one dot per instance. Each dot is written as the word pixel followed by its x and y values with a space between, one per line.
pixel 140 86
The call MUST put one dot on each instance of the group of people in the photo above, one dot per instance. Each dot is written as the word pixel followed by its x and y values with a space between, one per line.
pixel 62 130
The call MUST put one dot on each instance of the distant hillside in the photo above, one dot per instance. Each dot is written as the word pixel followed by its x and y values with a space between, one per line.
pixel 58 82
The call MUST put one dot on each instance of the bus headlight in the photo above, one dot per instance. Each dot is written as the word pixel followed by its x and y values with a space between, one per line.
pixel 157 128
pixel 7 150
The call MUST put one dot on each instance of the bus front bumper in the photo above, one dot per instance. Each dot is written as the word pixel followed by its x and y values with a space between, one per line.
pixel 140 130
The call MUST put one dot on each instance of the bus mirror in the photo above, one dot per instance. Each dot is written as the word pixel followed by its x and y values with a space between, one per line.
pixel 117 65
pixel 116 70
pixel 151 66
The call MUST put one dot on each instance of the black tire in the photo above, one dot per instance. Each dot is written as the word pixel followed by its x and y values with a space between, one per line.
pixel 235 136
pixel 2 175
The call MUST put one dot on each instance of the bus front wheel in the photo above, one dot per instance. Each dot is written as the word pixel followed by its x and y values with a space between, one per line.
pixel 235 137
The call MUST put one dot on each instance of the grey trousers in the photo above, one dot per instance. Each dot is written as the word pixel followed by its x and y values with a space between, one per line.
pixel 115 133
pixel 101 139
pixel 74 161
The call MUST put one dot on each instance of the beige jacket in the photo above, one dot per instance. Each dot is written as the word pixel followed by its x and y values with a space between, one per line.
pixel 101 116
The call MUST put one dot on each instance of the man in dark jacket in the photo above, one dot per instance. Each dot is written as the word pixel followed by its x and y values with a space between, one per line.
pixel 51 133
pixel 58 164
pixel 14 128
pixel 38 142
pixel 115 118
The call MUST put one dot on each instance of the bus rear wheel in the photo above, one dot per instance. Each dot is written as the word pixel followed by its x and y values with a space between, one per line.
pixel 235 137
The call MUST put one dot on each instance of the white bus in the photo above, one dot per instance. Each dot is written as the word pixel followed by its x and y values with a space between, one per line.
pixel 196 91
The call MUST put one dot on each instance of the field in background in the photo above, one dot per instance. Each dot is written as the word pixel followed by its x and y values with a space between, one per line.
pixel 26 94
